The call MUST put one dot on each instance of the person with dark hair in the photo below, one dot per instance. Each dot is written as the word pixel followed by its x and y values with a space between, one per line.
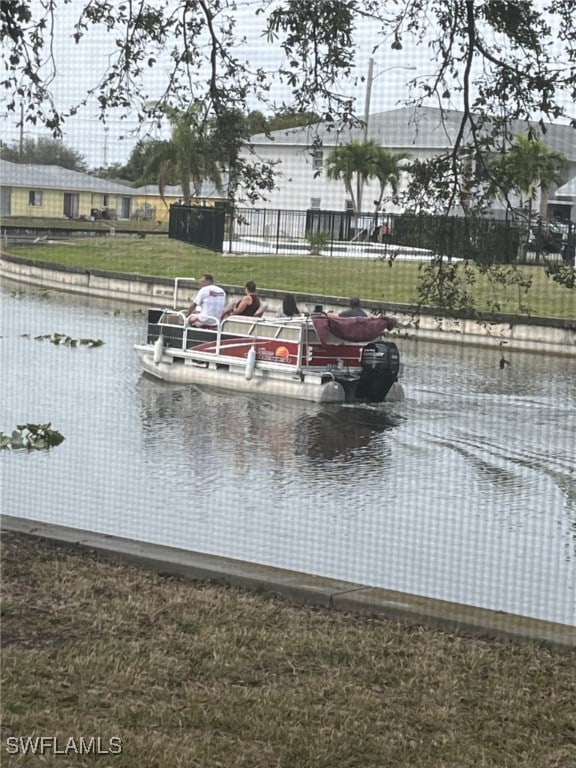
pixel 354 309
pixel 250 303
pixel 209 303
pixel 289 307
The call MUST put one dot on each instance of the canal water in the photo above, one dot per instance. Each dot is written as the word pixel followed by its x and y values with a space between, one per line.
pixel 466 491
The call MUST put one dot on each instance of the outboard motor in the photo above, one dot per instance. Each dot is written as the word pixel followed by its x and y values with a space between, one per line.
pixel 380 362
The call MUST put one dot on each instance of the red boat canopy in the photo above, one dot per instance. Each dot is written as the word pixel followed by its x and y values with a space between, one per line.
pixel 357 329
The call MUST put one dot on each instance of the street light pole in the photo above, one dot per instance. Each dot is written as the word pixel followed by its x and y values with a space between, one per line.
pixel 369 80
pixel 105 158
pixel 21 141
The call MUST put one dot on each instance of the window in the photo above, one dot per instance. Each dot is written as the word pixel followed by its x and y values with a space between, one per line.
pixel 105 201
pixel 34 197
pixel 315 202
pixel 317 159
pixel 349 205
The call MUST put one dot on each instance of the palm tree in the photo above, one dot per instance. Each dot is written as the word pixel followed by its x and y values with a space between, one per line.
pixel 190 156
pixel 385 167
pixel 528 166
pixel 352 162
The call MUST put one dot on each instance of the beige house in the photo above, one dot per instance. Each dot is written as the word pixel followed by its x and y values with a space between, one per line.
pixel 50 191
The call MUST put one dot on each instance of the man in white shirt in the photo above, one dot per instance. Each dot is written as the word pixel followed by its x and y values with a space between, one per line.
pixel 209 303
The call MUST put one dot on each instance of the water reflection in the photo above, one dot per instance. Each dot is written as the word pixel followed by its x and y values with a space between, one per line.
pixel 271 429
pixel 338 434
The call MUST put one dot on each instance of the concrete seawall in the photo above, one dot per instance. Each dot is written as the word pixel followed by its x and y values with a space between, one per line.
pixel 305 588
pixel 533 334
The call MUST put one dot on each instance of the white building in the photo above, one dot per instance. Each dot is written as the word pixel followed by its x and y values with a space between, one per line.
pixel 421 133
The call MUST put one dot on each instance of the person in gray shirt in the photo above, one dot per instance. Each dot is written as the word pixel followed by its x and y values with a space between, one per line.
pixel 354 309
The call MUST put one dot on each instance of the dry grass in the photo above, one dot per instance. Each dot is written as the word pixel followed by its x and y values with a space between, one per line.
pixel 194 675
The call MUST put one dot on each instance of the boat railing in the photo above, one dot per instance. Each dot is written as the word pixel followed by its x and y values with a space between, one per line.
pixel 177 281
pixel 258 329
pixel 178 319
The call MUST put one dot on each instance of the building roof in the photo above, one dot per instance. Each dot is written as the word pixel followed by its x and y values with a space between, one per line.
pixel 36 176
pixel 207 191
pixel 568 189
pixel 424 128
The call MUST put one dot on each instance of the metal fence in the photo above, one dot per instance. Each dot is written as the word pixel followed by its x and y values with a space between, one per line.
pixel 198 225
pixel 373 235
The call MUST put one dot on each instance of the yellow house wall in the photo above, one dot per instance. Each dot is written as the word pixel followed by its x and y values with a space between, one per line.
pixel 53 202
pixel 85 203
pixel 162 206
pixel 99 200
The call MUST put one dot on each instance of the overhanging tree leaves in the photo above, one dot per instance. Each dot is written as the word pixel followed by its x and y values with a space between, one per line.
pixel 501 63
pixel 500 60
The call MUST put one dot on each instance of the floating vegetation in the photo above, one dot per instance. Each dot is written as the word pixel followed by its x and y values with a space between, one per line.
pixel 61 339
pixel 20 293
pixel 138 311
pixel 31 437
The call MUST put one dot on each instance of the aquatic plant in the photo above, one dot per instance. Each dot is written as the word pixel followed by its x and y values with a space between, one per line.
pixel 62 339
pixel 31 437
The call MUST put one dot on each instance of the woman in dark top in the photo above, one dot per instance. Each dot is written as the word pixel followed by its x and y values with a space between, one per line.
pixel 289 308
pixel 249 305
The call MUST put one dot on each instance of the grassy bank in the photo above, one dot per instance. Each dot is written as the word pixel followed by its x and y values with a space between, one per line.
pixel 100 225
pixel 371 280
pixel 189 674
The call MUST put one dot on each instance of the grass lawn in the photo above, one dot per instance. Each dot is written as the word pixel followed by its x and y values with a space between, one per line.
pixel 371 280
pixel 191 674
pixel 100 225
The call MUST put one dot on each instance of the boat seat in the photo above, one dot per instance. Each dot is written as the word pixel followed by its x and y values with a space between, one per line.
pixel 207 326
pixel 260 313
pixel 173 317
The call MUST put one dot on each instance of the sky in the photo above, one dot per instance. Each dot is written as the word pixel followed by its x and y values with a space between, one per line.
pixel 80 66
